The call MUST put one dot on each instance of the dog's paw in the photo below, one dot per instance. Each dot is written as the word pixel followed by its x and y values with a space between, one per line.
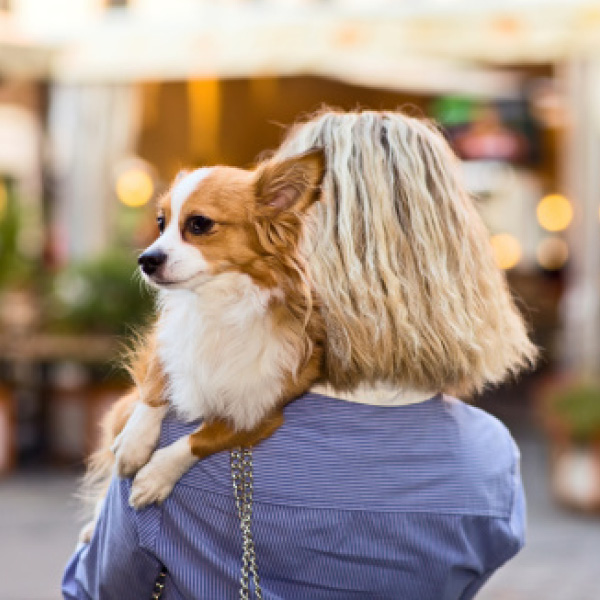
pixel 154 481
pixel 132 454
pixel 133 447
pixel 150 485
pixel 87 531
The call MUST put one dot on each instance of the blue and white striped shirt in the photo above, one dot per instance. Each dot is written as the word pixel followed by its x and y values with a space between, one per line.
pixel 415 502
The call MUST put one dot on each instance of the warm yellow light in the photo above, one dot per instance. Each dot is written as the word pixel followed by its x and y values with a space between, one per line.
pixel 205 97
pixel 507 250
pixel 552 253
pixel 134 187
pixel 554 212
pixel 3 199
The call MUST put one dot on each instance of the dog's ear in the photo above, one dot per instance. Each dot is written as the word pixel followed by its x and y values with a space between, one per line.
pixel 291 184
pixel 181 175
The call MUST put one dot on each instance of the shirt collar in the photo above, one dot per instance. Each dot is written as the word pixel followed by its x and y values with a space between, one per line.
pixel 379 394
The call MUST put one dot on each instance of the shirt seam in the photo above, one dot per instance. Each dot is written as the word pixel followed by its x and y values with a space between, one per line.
pixel 161 513
pixel 494 514
pixel 513 479
pixel 149 545
pixel 128 484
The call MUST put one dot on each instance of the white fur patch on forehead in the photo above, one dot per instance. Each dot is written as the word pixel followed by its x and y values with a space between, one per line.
pixel 183 189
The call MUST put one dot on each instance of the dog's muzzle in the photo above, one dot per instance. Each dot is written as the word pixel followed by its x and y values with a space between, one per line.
pixel 150 261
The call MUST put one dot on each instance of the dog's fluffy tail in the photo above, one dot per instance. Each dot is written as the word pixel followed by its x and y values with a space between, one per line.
pixel 100 464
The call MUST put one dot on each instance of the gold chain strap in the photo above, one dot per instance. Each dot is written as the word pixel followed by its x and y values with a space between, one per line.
pixel 159 585
pixel 243 486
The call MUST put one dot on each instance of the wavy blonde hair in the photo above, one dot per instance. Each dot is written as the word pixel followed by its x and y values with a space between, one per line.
pixel 401 261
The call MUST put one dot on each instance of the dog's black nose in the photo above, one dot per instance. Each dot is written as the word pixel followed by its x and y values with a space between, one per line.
pixel 150 261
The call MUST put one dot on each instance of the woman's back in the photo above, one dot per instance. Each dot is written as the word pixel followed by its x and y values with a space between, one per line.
pixel 422 501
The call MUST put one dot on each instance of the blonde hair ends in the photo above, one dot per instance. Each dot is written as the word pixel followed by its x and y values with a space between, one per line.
pixel 401 261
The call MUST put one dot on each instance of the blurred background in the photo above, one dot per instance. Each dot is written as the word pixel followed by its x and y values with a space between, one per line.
pixel 103 102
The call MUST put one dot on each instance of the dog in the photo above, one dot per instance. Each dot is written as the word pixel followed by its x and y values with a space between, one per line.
pixel 238 333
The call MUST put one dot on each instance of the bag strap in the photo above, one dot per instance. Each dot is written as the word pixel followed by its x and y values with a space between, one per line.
pixel 242 476
pixel 243 488
pixel 159 585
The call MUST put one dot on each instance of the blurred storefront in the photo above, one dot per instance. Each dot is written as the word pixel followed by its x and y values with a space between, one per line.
pixel 102 103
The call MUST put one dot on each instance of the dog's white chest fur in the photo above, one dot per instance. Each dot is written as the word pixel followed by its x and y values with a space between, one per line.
pixel 220 353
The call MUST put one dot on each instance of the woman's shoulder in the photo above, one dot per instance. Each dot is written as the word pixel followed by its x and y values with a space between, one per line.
pixel 440 455
pixel 482 432
pixel 441 421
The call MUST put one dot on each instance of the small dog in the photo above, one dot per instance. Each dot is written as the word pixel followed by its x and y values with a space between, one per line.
pixel 238 334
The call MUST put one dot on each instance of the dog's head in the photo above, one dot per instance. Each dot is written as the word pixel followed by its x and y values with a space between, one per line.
pixel 222 219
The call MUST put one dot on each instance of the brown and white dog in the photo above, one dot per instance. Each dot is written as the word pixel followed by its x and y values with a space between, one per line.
pixel 238 333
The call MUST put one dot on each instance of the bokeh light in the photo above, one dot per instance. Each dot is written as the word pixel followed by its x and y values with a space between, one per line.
pixel 134 187
pixel 507 250
pixel 554 212
pixel 552 253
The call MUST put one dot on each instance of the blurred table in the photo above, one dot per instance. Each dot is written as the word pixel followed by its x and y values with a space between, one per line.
pixel 52 347
pixel 56 388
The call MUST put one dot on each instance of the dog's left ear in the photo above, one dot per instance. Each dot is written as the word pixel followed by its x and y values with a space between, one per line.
pixel 181 175
pixel 290 184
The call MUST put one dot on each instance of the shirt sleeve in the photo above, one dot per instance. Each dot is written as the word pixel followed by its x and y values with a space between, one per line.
pixel 114 565
pixel 508 533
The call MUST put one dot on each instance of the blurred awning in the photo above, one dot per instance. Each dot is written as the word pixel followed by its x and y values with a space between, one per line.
pixel 21 55
pixel 435 45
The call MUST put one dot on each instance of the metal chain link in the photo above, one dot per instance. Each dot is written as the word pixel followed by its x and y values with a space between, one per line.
pixel 243 487
pixel 159 585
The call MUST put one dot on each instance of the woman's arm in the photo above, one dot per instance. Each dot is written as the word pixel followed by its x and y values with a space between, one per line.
pixel 115 564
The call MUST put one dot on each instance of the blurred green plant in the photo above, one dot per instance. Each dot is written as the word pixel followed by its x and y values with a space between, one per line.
pixel 15 269
pixel 453 110
pixel 574 410
pixel 104 295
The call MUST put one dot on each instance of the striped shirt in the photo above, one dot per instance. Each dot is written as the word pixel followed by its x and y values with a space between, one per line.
pixel 415 502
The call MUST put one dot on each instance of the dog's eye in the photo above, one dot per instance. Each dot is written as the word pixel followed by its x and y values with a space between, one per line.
pixel 199 225
pixel 161 223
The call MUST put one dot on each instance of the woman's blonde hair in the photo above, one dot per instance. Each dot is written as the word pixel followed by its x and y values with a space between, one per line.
pixel 401 261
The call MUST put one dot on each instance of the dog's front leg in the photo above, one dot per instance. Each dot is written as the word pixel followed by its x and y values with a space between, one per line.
pixel 135 444
pixel 154 481
pixel 218 435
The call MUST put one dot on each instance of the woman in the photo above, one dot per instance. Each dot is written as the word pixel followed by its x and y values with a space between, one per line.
pixel 382 485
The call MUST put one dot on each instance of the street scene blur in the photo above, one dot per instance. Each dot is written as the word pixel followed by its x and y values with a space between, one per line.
pixel 103 102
